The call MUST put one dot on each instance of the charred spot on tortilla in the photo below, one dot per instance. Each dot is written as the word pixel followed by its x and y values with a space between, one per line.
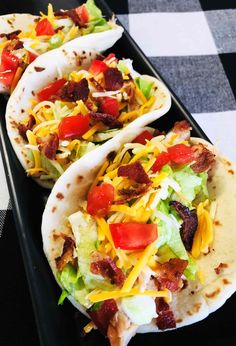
pixel 22 110
pixel 39 69
pixel 33 93
pixel 217 223
pixel 231 171
pixel 80 178
pixel 221 268
pixel 213 294
pixel 75 53
pixel 226 281
pixel 111 156
pixel 195 309
pixel 185 285
pixel 68 185
pixel 17 140
pixel 179 320
pixel 54 209
pixel 59 196
pixel 192 293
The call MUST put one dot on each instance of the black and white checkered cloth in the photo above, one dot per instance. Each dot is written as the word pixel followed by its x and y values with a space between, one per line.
pixel 193 45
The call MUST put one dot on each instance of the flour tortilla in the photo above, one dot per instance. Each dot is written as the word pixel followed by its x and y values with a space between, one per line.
pixel 196 301
pixel 100 41
pixel 66 59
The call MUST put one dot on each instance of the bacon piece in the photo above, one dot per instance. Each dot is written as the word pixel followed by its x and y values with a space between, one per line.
pixel 11 35
pixel 182 129
pixel 24 128
pixel 106 119
pixel 204 158
pixel 134 171
pixel 102 313
pixel 113 79
pixel 169 274
pixel 73 15
pixel 134 191
pixel 74 91
pixel 189 225
pixel 67 253
pixel 49 145
pixel 107 268
pixel 165 319
pixel 96 84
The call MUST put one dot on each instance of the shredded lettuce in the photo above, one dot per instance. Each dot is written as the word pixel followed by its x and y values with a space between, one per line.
pixel 93 10
pixel 50 168
pixel 55 41
pixel 63 296
pixel 145 86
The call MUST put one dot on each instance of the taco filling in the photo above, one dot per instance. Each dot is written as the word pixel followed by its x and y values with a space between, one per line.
pixel 81 110
pixel 136 239
pixel 18 49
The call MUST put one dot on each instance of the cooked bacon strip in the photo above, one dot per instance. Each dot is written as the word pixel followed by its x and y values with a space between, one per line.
pixel 113 79
pixel 106 119
pixel 11 35
pixel 181 129
pixel 49 145
pixel 67 253
pixel 204 158
pixel 165 319
pixel 134 171
pixel 134 191
pixel 102 313
pixel 24 128
pixel 189 225
pixel 73 15
pixel 74 91
pixel 169 274
pixel 108 269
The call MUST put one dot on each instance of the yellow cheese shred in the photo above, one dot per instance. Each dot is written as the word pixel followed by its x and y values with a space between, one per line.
pixel 89 327
pixel 93 129
pixel 32 140
pixel 100 173
pixel 123 209
pixel 147 105
pixel 98 297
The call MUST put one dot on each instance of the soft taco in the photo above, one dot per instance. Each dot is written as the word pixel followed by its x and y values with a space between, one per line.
pixel 23 37
pixel 139 233
pixel 59 112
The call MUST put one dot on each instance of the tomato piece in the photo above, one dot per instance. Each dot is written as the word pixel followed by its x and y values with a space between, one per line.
pixel 109 57
pixel 74 126
pixel 133 236
pixel 6 76
pixel 161 160
pixel 145 135
pixel 9 61
pixel 44 27
pixel 32 57
pixel 181 154
pixel 50 90
pixel 110 106
pixel 83 14
pixel 97 66
pixel 100 199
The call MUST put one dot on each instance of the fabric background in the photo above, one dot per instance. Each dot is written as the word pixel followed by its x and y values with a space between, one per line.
pixel 193 45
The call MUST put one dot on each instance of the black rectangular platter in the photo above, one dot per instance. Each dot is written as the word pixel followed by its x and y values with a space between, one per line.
pixel 62 326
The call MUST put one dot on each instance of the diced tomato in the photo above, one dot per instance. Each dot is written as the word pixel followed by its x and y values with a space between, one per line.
pixel 110 106
pixel 74 126
pixel 133 236
pixel 50 90
pixel 6 76
pixel 181 154
pixel 32 57
pixel 145 135
pixel 9 60
pixel 161 160
pixel 97 66
pixel 44 27
pixel 109 57
pixel 100 199
pixel 83 14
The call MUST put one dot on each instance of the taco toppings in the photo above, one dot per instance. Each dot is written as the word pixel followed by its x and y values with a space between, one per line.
pixel 48 31
pixel 72 115
pixel 137 238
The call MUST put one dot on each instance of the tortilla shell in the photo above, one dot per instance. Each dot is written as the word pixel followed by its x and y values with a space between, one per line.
pixel 67 59
pixel 196 301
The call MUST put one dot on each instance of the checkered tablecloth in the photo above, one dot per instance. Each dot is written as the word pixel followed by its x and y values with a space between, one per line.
pixel 193 45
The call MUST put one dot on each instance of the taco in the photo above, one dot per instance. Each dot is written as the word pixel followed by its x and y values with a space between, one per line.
pixel 144 221
pixel 68 109
pixel 23 37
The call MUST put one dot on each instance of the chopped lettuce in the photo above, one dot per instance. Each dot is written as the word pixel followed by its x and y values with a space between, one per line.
pixel 54 173
pixel 96 21
pixel 122 66
pixel 145 86
pixel 55 41
pixel 93 10
pixel 105 135
pixel 63 296
pixel 85 147
pixel 134 309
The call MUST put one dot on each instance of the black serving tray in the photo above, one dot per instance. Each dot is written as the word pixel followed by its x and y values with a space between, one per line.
pixel 62 326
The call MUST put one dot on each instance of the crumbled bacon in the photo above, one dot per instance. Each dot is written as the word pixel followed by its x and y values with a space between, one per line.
pixel 24 128
pixel 134 171
pixel 106 119
pixel 134 191
pixel 11 35
pixel 165 319
pixel 67 253
pixel 73 15
pixel 18 45
pixel 49 145
pixel 108 269
pixel 169 274
pixel 102 313
pixel 97 85
pixel 182 128
pixel 189 225
pixel 74 91
pixel 113 79
pixel 204 158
